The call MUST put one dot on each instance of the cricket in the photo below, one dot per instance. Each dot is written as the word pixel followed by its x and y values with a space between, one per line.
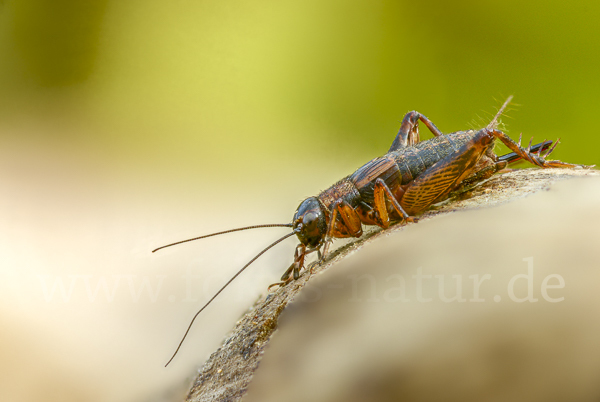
pixel 395 188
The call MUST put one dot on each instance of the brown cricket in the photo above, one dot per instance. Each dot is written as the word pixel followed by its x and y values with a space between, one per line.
pixel 406 181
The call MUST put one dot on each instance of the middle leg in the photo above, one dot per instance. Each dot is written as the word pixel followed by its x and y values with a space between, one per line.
pixel 381 193
pixel 350 225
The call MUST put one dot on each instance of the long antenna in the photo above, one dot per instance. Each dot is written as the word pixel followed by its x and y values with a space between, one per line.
pixel 287 225
pixel 224 286
pixel 495 119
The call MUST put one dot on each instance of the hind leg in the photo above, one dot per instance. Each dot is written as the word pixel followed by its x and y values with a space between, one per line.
pixel 490 164
pixel 485 168
pixel 408 134
pixel 533 157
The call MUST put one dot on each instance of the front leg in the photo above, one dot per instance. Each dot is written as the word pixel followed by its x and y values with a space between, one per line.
pixel 293 272
pixel 350 225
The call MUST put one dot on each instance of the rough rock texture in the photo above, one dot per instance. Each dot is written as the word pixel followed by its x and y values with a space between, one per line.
pixel 228 372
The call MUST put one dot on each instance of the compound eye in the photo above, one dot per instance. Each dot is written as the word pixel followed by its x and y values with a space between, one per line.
pixel 309 220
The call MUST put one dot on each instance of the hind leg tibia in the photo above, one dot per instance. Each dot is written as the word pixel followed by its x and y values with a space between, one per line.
pixel 535 158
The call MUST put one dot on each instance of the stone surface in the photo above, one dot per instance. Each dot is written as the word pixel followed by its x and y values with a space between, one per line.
pixel 327 347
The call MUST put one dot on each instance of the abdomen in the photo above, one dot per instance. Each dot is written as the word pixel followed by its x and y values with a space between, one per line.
pixel 412 161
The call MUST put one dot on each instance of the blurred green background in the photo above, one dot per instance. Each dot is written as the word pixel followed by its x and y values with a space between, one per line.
pixel 218 84
pixel 125 125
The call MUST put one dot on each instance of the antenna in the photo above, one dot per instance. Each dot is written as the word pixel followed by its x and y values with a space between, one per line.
pixel 228 282
pixel 287 225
